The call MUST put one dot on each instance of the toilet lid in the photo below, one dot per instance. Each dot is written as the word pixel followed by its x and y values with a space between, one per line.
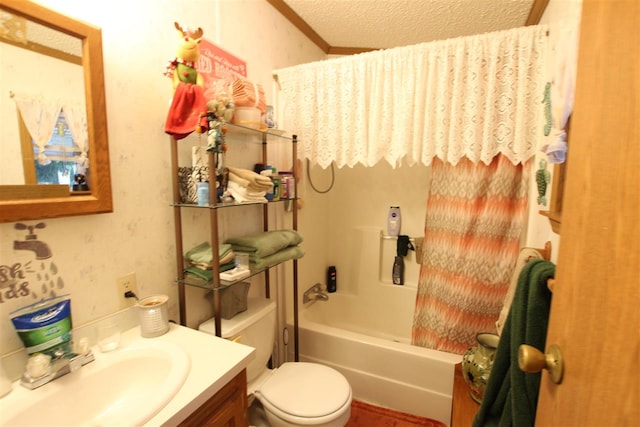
pixel 308 390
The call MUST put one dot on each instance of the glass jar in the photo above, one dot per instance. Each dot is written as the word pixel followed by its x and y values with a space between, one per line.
pixel 477 363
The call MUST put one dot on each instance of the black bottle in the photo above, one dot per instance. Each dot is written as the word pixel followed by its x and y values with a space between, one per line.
pixel 332 279
pixel 398 271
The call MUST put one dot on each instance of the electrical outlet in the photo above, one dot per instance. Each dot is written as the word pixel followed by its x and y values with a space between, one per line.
pixel 124 284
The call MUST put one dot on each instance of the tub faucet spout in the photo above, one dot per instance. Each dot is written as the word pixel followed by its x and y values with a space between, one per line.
pixel 315 293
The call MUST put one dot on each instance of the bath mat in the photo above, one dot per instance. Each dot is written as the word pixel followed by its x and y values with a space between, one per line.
pixel 366 415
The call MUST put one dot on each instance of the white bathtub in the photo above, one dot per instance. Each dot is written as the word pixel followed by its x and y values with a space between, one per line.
pixel 385 371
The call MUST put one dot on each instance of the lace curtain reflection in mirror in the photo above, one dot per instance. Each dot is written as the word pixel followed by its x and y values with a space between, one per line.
pixel 54 142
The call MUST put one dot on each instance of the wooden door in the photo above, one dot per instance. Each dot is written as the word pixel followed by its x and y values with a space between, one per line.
pixel 594 315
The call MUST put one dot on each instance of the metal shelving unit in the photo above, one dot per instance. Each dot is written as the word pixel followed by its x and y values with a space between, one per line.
pixel 216 284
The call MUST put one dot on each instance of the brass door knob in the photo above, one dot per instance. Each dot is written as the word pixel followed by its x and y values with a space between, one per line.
pixel 532 360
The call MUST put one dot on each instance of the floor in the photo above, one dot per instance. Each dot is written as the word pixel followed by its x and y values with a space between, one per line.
pixel 362 415
pixel 366 415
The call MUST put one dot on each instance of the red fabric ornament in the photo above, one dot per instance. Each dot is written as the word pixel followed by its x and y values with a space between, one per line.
pixel 184 114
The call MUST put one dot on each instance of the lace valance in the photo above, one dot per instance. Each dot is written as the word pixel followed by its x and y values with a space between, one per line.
pixel 471 97
pixel 40 116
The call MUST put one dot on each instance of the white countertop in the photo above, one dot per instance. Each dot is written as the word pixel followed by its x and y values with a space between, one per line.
pixel 213 363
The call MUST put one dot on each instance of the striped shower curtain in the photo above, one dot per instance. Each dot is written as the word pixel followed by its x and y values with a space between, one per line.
pixel 474 219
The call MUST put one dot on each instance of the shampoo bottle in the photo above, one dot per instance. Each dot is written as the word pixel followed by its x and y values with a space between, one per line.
pixel 393 221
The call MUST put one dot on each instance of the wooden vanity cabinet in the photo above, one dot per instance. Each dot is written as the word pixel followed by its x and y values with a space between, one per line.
pixel 227 408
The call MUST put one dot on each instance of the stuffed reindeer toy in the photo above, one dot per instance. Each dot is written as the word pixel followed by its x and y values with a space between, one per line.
pixel 188 85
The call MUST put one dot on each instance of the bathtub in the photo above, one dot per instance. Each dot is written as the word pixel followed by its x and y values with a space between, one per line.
pixel 382 369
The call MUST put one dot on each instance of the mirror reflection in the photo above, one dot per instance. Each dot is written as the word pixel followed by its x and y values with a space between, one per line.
pixel 53 126
pixel 44 134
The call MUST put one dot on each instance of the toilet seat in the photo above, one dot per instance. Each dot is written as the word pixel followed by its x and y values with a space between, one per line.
pixel 305 393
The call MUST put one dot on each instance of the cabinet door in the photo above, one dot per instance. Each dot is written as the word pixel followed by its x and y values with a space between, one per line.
pixel 227 408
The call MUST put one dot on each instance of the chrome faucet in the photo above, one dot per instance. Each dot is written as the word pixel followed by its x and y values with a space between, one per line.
pixel 315 293
pixel 41 249
pixel 41 369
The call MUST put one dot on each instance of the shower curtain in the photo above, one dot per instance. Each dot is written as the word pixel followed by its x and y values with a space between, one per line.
pixel 475 214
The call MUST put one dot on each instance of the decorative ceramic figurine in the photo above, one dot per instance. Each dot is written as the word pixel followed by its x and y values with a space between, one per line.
pixel 80 182
pixel 542 180
pixel 188 85
pixel 477 363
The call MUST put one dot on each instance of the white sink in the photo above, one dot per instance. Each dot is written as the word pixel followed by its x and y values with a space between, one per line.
pixel 127 386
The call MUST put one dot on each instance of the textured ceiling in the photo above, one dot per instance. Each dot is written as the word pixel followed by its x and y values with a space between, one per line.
pixel 391 23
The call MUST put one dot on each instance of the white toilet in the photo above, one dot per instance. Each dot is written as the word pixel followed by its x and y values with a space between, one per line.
pixel 296 393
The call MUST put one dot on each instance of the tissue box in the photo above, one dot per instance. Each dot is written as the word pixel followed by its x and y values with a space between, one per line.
pixel 233 299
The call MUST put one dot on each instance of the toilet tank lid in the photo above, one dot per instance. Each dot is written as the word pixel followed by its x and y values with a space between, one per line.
pixel 257 308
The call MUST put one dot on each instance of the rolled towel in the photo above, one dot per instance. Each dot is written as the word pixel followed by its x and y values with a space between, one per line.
pixel 251 176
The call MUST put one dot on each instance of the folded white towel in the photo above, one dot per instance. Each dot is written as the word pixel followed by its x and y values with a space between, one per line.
pixel 236 178
pixel 240 193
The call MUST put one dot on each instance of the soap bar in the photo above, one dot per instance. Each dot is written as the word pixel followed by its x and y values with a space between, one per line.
pixel 235 274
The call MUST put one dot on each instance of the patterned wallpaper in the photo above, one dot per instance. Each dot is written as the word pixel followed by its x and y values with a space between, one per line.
pixel 88 253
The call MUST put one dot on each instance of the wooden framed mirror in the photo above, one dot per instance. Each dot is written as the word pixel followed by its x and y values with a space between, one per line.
pixel 22 202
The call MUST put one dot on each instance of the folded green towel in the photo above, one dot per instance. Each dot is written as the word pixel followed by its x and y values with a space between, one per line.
pixel 511 396
pixel 203 254
pixel 292 252
pixel 208 274
pixel 265 243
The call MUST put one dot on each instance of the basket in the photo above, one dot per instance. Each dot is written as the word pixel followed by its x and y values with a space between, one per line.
pixel 233 299
pixel 188 178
